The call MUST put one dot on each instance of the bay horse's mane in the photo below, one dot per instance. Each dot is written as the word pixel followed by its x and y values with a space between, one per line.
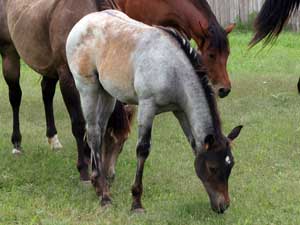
pixel 271 19
pixel 196 61
pixel 215 32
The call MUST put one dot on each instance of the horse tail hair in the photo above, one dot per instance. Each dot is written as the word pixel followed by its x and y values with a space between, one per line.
pixel 120 121
pixel 271 19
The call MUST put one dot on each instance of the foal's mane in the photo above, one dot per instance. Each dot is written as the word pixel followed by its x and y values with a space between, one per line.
pixel 196 61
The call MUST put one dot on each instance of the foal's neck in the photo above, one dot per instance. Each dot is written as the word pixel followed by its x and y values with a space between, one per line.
pixel 199 106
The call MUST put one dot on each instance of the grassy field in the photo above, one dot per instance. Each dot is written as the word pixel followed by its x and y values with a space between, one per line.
pixel 42 187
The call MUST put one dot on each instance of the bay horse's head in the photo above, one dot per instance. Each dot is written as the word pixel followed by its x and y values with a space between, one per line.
pixel 117 132
pixel 214 47
pixel 213 166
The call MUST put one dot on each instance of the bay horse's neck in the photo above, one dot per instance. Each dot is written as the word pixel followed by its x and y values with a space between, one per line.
pixel 201 109
pixel 184 15
pixel 194 17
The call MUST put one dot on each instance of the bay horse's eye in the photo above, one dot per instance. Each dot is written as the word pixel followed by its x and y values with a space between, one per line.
pixel 212 56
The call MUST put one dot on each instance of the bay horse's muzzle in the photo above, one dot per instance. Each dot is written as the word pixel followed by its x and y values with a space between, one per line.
pixel 223 92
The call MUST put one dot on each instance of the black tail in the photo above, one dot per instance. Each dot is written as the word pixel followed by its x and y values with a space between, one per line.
pixel 272 18
pixel 298 86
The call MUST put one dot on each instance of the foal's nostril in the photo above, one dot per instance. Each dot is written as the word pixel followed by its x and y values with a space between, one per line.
pixel 223 92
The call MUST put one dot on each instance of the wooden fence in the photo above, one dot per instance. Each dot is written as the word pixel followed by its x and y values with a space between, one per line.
pixel 229 11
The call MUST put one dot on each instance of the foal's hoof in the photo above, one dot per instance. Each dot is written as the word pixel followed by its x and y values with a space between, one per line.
pixel 85 176
pixel 86 183
pixel 16 151
pixel 54 143
pixel 138 210
pixel 105 202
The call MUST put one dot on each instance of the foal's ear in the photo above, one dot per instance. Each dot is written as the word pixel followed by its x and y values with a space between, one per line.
pixel 209 141
pixel 234 133
pixel 230 28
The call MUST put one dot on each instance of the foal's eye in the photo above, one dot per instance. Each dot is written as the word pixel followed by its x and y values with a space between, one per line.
pixel 213 170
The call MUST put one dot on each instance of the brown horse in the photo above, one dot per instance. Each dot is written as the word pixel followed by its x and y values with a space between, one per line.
pixel 195 19
pixel 36 32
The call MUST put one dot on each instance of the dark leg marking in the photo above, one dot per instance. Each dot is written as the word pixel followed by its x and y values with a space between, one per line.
pixel 72 101
pixel 11 72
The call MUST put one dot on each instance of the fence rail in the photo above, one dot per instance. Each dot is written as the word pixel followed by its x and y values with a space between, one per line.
pixel 228 11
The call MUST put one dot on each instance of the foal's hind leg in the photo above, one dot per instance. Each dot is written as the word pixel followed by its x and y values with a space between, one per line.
pixel 72 101
pixel 146 113
pixel 97 106
pixel 48 86
pixel 11 72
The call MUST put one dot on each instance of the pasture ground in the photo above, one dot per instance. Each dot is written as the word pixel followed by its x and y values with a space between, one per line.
pixel 42 187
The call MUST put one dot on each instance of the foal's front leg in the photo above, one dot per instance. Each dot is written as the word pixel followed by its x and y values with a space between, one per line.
pixel 146 115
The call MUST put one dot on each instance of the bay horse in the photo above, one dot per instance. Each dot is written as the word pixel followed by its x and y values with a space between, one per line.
pixel 195 19
pixel 114 57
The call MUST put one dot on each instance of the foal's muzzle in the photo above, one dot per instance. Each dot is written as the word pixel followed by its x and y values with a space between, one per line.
pixel 221 208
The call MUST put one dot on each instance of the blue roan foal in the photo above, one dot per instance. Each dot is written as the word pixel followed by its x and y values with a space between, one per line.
pixel 114 57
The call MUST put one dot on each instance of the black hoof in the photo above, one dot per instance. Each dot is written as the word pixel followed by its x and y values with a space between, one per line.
pixel 84 175
pixel 106 202
pixel 138 210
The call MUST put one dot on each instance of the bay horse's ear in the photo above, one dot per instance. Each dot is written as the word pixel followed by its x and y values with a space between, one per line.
pixel 230 28
pixel 208 141
pixel 234 133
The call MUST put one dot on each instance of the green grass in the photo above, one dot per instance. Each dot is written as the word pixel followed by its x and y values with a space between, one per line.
pixel 42 187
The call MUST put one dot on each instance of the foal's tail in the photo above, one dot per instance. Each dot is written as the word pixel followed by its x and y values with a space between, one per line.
pixel 120 120
pixel 272 18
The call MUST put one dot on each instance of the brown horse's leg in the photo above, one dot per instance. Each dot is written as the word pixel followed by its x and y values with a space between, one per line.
pixel 11 72
pixel 145 119
pixel 72 101
pixel 48 86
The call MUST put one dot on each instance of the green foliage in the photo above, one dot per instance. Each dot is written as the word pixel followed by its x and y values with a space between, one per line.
pixel 42 187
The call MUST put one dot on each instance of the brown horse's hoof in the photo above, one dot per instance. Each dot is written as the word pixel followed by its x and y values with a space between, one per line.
pixel 54 143
pixel 16 151
pixel 138 210
pixel 106 202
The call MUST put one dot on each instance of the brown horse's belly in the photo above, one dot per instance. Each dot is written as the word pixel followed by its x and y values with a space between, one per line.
pixel 4 34
pixel 27 23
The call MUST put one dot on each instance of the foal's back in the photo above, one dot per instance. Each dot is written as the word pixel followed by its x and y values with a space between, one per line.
pixel 122 53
